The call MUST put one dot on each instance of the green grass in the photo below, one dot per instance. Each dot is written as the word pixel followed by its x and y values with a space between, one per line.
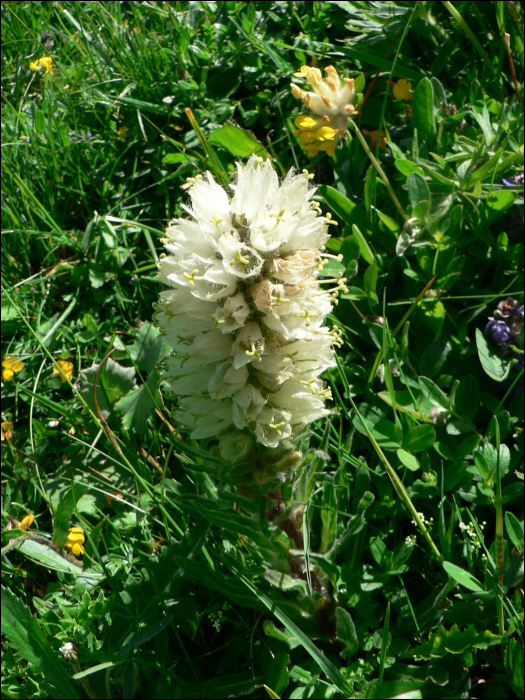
pixel 411 491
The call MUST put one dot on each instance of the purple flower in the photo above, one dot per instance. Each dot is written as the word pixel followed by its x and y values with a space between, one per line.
pixel 500 332
pixel 506 323
pixel 513 181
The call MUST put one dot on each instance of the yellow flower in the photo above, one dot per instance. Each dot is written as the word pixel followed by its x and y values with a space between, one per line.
pixel 44 62
pixel 11 365
pixel 75 541
pixel 66 367
pixel 26 521
pixel 331 102
pixel 6 430
pixel 403 90
pixel 373 137
pixel 122 132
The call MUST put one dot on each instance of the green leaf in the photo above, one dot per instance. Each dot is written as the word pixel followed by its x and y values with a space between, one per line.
pixel 228 518
pixel 417 189
pixel 422 437
pixel 406 167
pixel 26 635
pixel 501 200
pixel 113 382
pixel 346 632
pixel 496 367
pixel 356 524
pixel 370 279
pixel 171 158
pixel 483 119
pixel 468 396
pixel 366 251
pixel 422 210
pixel 514 530
pixel 344 208
pixel 385 64
pixel 463 577
pixel 350 249
pixel 237 141
pixel 456 641
pixel 136 406
pixel 423 111
pixel 430 315
pixel 276 674
pixel 149 348
pixel 40 121
pixel 331 671
pixel 388 222
pixel 328 517
pixel 514 665
pixel 285 582
pixel 433 358
pixel 433 393
pixel 65 509
pixel 409 460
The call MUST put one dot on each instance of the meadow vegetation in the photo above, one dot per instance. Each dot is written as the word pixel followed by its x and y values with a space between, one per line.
pixel 138 561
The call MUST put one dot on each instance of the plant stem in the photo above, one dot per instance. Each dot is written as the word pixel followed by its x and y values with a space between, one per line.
pixel 379 169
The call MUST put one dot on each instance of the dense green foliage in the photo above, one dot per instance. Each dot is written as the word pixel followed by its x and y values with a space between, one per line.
pixel 412 490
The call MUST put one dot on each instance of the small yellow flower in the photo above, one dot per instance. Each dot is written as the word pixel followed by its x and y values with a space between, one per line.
pixel 11 365
pixel 75 541
pixel 306 123
pixel 26 522
pixel 325 133
pixel 6 430
pixel 373 137
pixel 44 62
pixel 66 367
pixel 403 90
pixel 122 132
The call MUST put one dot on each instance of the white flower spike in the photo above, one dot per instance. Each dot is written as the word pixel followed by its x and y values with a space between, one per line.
pixel 244 309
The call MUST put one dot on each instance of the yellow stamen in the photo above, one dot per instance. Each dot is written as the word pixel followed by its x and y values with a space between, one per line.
pixel 279 217
pixel 239 258
pixel 192 277
pixel 255 352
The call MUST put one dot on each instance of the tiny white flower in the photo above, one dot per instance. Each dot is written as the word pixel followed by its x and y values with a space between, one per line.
pixel 244 309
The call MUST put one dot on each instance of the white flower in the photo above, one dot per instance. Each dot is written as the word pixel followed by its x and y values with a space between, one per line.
pixel 332 103
pixel 244 308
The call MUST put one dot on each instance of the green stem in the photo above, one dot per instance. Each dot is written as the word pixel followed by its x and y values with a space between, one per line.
pixel 499 534
pixel 379 169
pixel 396 481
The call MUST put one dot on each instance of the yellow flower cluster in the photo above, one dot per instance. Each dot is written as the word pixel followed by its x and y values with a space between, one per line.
pixel 44 62
pixel 403 91
pixel 75 541
pixel 6 430
pixel 11 365
pixel 331 102
pixel 315 135
pixel 66 367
